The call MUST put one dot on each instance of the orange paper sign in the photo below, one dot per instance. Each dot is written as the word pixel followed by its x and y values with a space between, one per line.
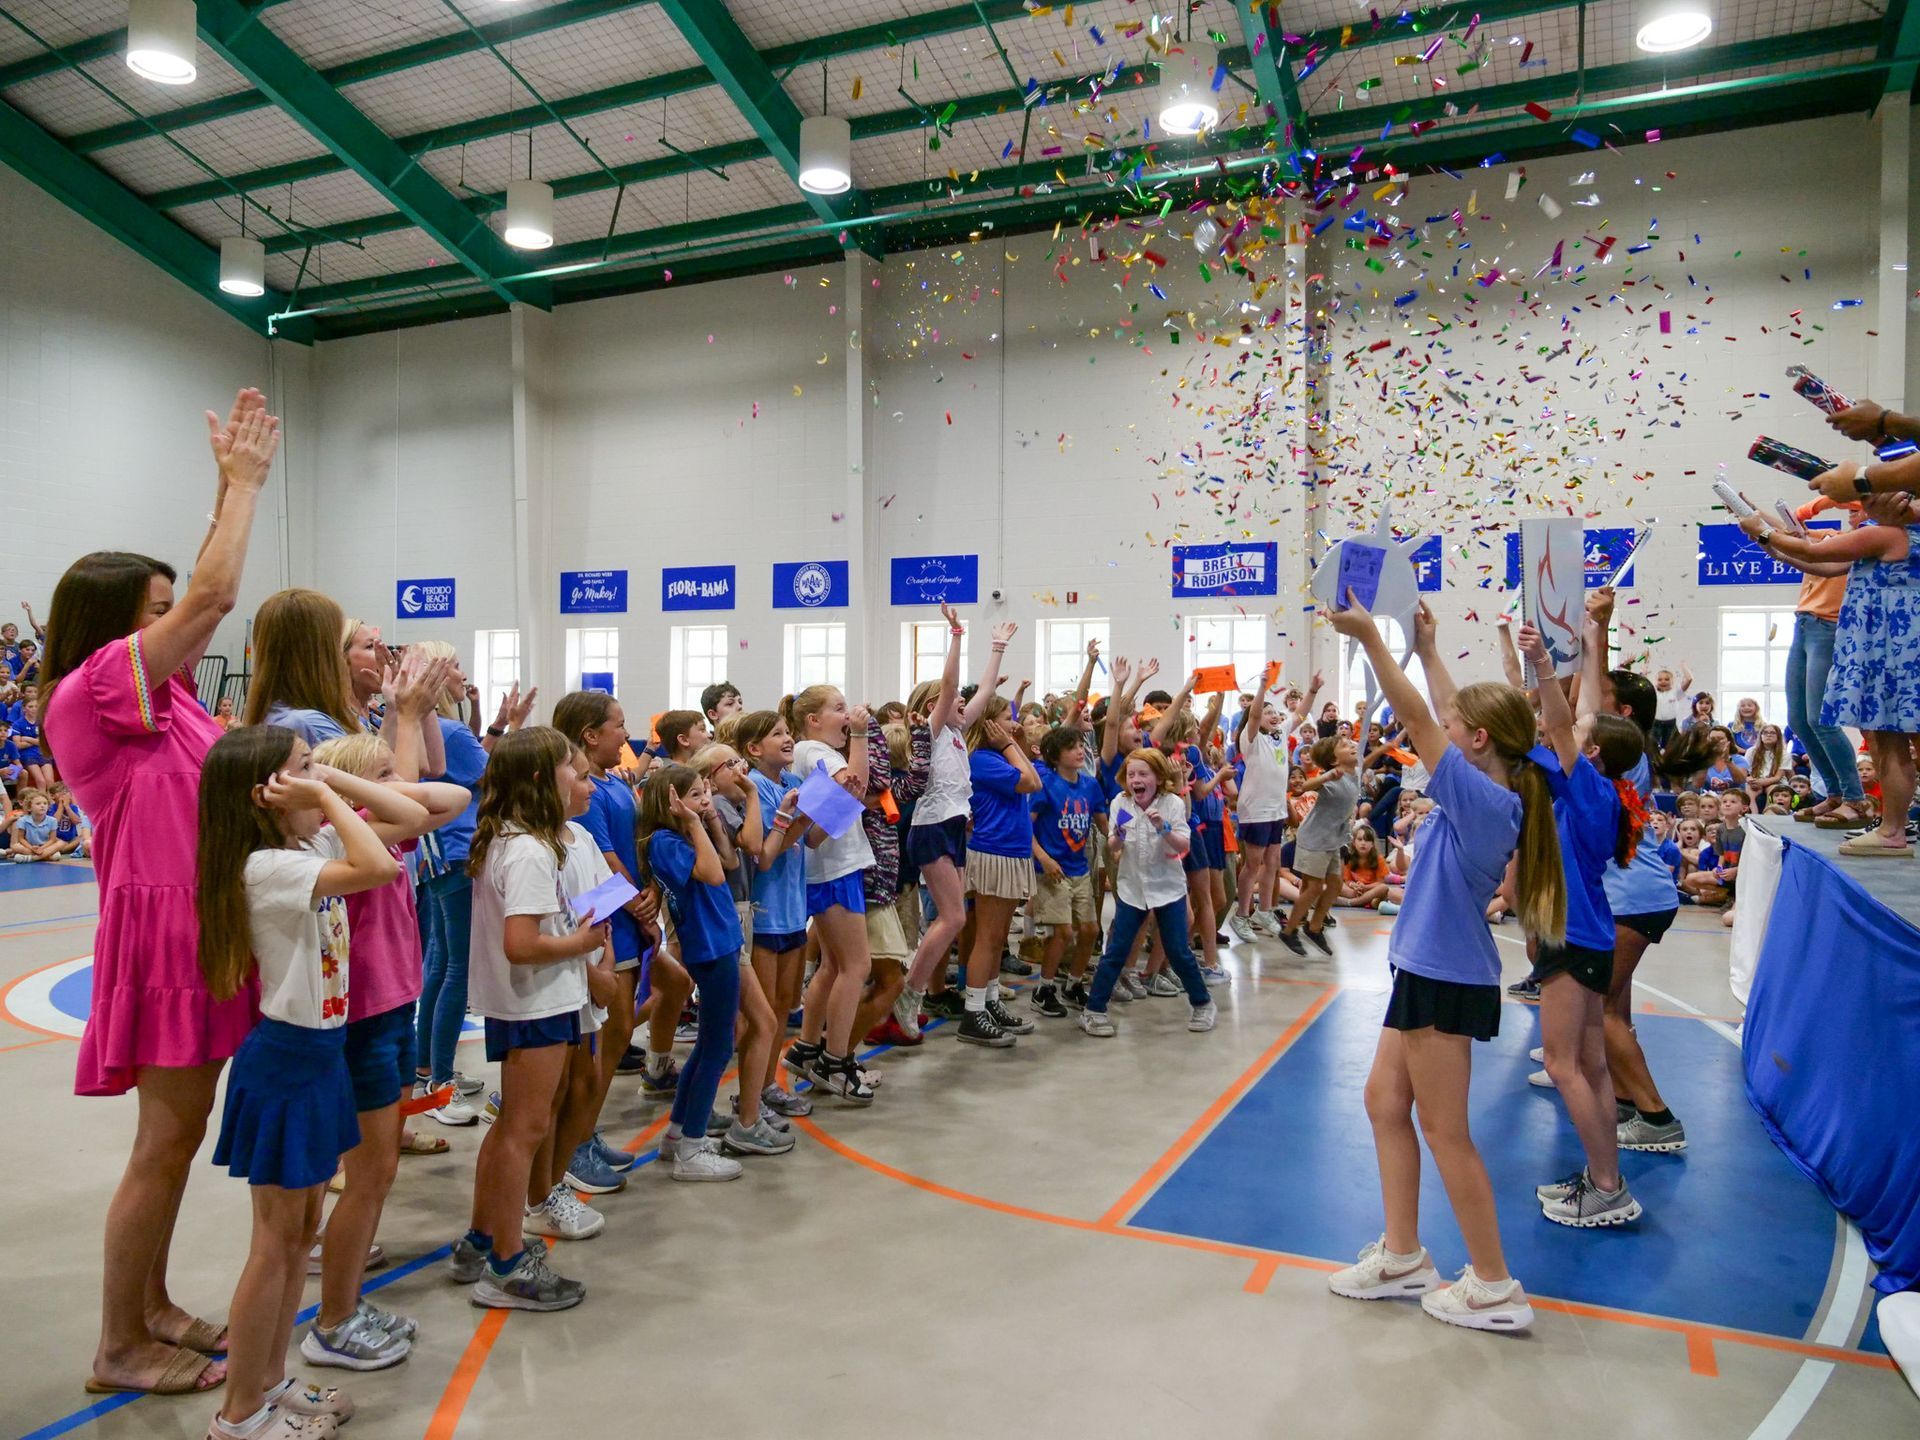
pixel 1214 680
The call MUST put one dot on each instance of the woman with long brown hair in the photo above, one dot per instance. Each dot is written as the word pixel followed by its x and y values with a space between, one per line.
pixel 300 677
pixel 131 737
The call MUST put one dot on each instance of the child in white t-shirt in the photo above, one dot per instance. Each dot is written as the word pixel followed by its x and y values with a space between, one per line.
pixel 527 975
pixel 280 846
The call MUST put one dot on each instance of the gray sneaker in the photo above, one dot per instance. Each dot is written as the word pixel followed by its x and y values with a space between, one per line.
pixel 1559 1189
pixel 759 1138
pixel 1586 1206
pixel 356 1343
pixel 1164 986
pixel 1131 982
pixel 1640 1133
pixel 530 1285
pixel 466 1265
pixel 701 1160
pixel 784 1102
pixel 404 1327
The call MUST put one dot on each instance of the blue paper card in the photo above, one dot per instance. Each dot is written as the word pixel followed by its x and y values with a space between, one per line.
pixel 1360 565
pixel 825 802
pixel 603 899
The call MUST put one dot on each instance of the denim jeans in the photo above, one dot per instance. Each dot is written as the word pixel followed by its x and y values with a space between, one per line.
pixel 719 984
pixel 1807 665
pixel 446 924
pixel 1172 918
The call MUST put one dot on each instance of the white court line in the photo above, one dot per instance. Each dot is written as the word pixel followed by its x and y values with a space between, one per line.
pixel 1798 1398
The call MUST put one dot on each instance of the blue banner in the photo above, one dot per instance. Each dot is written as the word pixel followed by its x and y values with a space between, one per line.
pixel 593 592
pixel 1428 571
pixel 936 579
pixel 424 599
pixel 697 587
pixel 1729 558
pixel 1226 569
pixel 810 585
pixel 601 680
pixel 1606 549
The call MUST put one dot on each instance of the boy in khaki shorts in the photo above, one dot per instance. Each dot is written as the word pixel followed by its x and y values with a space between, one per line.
pixel 1068 810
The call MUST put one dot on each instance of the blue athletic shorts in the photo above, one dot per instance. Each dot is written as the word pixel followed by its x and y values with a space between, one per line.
pixel 505 1035
pixel 849 892
pixel 380 1057
pixel 781 944
pixel 1208 850
pixel 1262 833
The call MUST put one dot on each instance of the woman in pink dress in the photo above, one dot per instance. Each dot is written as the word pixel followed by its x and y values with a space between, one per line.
pixel 122 716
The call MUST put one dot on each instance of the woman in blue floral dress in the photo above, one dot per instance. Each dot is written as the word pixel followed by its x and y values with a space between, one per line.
pixel 1875 682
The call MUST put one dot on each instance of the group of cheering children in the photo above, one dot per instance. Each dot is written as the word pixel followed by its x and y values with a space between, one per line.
pixel 38 815
pixel 970 808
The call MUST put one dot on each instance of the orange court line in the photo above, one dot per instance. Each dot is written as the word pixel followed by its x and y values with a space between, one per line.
pixel 49 930
pixel 29 1044
pixel 7 989
pixel 1700 1357
pixel 453 1401
pixel 1261 1277
pixel 1156 1172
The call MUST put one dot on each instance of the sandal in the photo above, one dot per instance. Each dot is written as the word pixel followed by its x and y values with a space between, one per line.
pixel 206 1337
pixel 181 1376
pixel 306 1398
pixel 413 1143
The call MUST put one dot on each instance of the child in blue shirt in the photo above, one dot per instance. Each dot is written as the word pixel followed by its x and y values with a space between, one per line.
pixel 1067 810
pixel 1492 799
pixel 676 818
pixel 33 832
pixel 70 824
pixel 26 739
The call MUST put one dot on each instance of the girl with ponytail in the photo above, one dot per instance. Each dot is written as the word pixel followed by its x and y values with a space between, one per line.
pixel 1492 800
pixel 1572 977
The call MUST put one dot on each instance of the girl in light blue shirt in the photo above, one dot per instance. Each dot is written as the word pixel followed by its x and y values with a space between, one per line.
pixel 1492 801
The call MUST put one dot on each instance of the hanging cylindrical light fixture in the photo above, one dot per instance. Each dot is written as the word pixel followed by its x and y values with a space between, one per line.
pixel 160 40
pixel 826 155
pixel 243 266
pixel 529 214
pixel 1661 27
pixel 1187 102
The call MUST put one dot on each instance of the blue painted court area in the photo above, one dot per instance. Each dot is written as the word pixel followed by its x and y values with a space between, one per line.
pixel 1733 1235
pixel 42 876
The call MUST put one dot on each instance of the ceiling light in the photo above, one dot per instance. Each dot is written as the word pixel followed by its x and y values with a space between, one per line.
pixel 1187 101
pixel 529 214
pixel 160 40
pixel 826 155
pixel 1662 27
pixel 243 266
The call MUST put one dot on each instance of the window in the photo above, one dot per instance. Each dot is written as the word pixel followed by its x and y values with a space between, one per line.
pixel 699 659
pixel 816 655
pixel 923 652
pixel 591 652
pixel 1753 660
pixel 1233 640
pixel 496 668
pixel 1354 677
pixel 1063 655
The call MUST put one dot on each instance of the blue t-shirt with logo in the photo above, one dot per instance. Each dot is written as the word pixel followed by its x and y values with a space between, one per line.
pixel 1063 812
pixel 704 916
pixel 610 821
pixel 26 740
pixel 779 892
pixel 1458 865
pixel 1645 885
pixel 1002 824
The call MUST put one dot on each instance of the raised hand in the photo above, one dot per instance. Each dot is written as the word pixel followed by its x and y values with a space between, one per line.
pixel 950 615
pixel 1600 603
pixel 1093 649
pixel 522 706
pixel 507 701
pixel 1863 420
pixel 1148 669
pixel 1003 632
pixel 244 450
pixel 1355 621
pixel 1533 645
pixel 1425 628
pixel 288 793
pixel 1122 669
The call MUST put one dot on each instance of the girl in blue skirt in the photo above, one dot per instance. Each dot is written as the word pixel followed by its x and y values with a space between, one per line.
pixel 280 847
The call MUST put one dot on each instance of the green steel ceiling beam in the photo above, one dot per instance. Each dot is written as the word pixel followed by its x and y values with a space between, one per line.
pixel 78 52
pixel 1833 40
pixel 367 67
pixel 238 37
pixel 1900 35
pixel 735 152
pixel 757 93
pixel 97 197
pixel 1277 86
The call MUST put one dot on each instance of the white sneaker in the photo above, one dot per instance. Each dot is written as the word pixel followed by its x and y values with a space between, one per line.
pixel 1538 1055
pixel 455 1112
pixel 466 1084
pixel 1098 1024
pixel 1377 1275
pixel 1203 1017
pixel 1163 986
pixel 1542 1079
pixel 1472 1302
pixel 906 1010
pixel 1265 924
pixel 1131 982
pixel 563 1217
pixel 699 1160
pixel 1240 925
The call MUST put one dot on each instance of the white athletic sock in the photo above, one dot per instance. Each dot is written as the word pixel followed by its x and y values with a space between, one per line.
pixel 252 1425
pixel 976 999
pixel 658 1060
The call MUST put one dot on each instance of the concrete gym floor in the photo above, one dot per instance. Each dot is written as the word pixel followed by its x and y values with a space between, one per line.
pixel 1075 1238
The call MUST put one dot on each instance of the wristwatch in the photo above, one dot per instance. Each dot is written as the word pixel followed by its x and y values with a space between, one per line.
pixel 496 731
pixel 1862 485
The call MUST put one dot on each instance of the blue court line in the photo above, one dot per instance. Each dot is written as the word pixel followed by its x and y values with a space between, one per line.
pixel 1733 1234
pixel 49 920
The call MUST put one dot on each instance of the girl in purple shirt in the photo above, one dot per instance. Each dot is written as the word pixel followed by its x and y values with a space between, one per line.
pixel 1492 797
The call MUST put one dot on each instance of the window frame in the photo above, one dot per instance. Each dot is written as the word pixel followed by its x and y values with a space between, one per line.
pixel 1774 651
pixel 911 653
pixel 831 669
pixel 486 659
pixel 685 691
pixel 578 646
pixel 1045 652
